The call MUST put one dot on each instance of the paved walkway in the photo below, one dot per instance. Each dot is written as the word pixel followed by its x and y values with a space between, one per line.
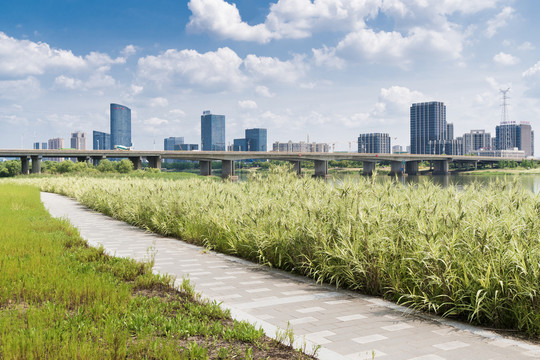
pixel 345 324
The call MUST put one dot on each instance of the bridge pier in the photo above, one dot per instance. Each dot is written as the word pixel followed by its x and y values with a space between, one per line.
pixel 137 162
pixel 36 164
pixel 154 161
pixel 97 159
pixel 297 167
pixel 25 162
pixel 441 167
pixel 321 169
pixel 411 167
pixel 227 170
pixel 83 158
pixel 206 167
pixel 368 168
pixel 396 168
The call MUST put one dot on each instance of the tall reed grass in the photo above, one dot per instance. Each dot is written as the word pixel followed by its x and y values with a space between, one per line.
pixel 471 253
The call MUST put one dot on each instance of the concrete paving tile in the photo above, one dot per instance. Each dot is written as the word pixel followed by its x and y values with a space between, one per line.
pixel 369 338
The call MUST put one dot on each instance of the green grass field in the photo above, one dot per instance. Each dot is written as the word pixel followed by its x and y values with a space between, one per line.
pixel 61 299
pixel 471 253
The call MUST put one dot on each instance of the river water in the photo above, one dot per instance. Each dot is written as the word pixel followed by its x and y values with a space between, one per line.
pixel 530 181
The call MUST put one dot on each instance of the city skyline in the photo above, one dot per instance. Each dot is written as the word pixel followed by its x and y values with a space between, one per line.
pixel 267 65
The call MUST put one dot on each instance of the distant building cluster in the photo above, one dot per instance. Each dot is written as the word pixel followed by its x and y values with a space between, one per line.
pixel 255 140
pixel 300 147
pixel 431 134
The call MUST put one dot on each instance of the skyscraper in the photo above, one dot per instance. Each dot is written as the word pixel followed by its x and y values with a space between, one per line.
pixel 171 144
pixel 374 143
pixel 510 135
pixel 256 139
pixel 428 123
pixel 212 132
pixel 101 140
pixel 78 140
pixel 120 125
pixel 54 144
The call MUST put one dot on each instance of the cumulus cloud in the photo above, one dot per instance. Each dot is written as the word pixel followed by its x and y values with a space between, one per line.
pixel 247 104
pixel 264 91
pixel 24 57
pixel 271 68
pixel 223 19
pixel 155 121
pixel 499 21
pixel 68 82
pixel 505 59
pixel 327 57
pixel 212 69
pixel 129 50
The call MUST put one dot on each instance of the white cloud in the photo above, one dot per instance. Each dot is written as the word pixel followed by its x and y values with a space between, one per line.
pixel 526 46
pixel 264 91
pixel 505 59
pixel 271 68
pixel 24 57
pixel 212 69
pixel 159 102
pixel 532 70
pixel 177 112
pixel 247 104
pixel 223 19
pixel 68 82
pixel 401 96
pixel 129 50
pixel 467 6
pixel 20 89
pixel 499 21
pixel 136 89
pixel 327 57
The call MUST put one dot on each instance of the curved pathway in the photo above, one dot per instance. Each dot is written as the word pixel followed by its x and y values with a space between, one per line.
pixel 346 325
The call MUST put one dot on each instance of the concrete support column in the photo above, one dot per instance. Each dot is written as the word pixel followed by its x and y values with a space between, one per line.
pixel 411 167
pixel 36 164
pixel 441 167
pixel 321 168
pixel 25 162
pixel 396 168
pixel 492 164
pixel 137 162
pixel 476 165
pixel 206 167
pixel 368 168
pixel 97 159
pixel 297 166
pixel 154 161
pixel 83 158
pixel 227 169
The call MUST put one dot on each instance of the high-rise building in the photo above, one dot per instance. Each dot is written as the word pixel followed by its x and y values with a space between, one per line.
pixel 255 140
pixel 170 144
pixel 55 144
pixel 120 125
pixel 212 132
pixel 476 140
pixel 374 143
pixel 186 147
pixel 510 135
pixel 40 146
pixel 428 123
pixel 78 140
pixel 449 131
pixel 101 140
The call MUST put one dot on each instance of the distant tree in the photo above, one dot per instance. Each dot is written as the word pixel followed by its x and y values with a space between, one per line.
pixel 124 166
pixel 66 166
pixel 13 167
pixel 106 166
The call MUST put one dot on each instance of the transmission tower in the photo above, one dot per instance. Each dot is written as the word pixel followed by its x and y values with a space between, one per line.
pixel 504 113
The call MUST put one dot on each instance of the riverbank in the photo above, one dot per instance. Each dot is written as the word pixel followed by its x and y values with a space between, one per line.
pixel 60 298
pixel 470 253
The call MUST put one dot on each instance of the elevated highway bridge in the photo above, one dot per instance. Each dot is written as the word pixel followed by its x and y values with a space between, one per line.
pixel 400 163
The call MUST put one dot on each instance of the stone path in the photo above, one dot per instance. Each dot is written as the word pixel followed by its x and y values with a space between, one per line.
pixel 346 325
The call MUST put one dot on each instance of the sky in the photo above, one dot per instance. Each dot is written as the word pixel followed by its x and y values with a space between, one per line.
pixel 327 70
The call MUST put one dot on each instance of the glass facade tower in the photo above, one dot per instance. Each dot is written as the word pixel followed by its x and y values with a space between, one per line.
pixel 212 132
pixel 428 123
pixel 374 143
pixel 256 139
pixel 101 140
pixel 120 125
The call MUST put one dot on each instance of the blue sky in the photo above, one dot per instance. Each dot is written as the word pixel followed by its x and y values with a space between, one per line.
pixel 330 69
